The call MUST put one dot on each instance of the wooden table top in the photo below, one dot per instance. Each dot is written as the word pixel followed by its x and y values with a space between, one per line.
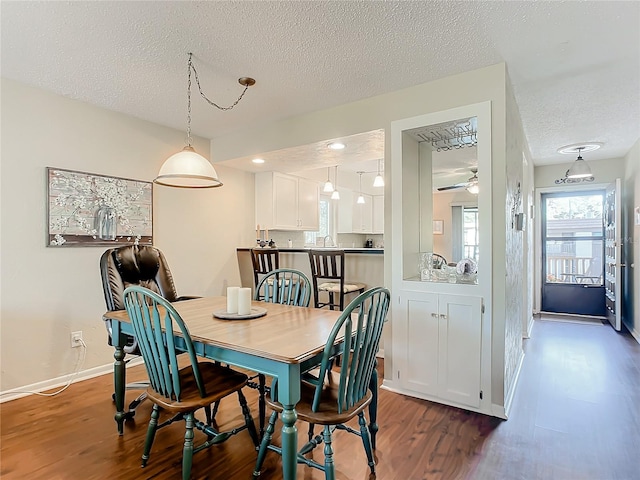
pixel 286 334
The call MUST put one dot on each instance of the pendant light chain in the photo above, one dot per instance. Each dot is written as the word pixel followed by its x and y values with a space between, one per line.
pixel 246 84
pixel 189 66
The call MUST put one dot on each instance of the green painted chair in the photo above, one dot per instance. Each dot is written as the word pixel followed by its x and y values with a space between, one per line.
pixel 180 391
pixel 342 394
pixel 287 287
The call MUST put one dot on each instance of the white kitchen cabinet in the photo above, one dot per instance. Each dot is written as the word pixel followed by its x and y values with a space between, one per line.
pixel 344 210
pixel 285 202
pixel 378 214
pixel 362 214
pixel 442 338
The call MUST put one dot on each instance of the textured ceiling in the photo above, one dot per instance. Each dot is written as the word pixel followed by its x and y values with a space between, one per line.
pixel 574 66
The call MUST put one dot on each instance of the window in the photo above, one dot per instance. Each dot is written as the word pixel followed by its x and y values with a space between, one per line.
pixel 324 220
pixel 471 236
pixel 465 233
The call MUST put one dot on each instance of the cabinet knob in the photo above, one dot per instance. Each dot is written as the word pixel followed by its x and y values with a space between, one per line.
pixel 443 316
pixel 434 315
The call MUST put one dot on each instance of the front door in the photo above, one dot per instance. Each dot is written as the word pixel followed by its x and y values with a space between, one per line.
pixel 573 253
pixel 613 252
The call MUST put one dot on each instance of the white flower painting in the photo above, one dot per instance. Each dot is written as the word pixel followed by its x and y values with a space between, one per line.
pixel 89 209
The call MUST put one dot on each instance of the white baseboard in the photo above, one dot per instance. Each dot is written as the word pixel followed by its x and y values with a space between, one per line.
pixel 634 333
pixel 511 393
pixel 45 385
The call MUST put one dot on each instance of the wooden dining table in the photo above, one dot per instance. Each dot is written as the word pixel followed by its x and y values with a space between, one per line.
pixel 284 343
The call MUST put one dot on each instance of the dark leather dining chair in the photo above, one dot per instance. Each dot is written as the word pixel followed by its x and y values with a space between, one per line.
pixel 327 273
pixel 129 265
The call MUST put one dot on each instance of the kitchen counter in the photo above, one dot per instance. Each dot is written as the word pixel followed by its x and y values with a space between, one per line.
pixel 356 250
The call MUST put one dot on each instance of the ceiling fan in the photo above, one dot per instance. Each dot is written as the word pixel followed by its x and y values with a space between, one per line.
pixel 471 184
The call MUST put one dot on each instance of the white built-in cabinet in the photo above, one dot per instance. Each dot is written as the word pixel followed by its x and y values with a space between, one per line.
pixel 378 213
pixel 363 215
pixel 442 338
pixel 286 202
pixel 353 217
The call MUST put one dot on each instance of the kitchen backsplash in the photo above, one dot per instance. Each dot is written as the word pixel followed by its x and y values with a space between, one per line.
pixel 345 240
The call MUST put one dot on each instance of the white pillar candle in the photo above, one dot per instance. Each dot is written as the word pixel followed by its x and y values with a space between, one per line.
pixel 244 301
pixel 232 299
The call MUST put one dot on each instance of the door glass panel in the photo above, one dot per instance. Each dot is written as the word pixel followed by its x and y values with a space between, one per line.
pixel 570 261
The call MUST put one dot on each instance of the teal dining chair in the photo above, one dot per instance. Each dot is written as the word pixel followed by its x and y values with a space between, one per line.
pixel 180 391
pixel 338 394
pixel 287 287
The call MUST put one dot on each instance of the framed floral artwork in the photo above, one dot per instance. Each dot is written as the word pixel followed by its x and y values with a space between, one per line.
pixel 87 209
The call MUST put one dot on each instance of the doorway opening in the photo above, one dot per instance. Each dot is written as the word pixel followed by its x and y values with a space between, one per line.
pixel 573 253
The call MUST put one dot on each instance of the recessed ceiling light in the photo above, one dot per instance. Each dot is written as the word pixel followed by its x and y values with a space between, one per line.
pixel 579 147
pixel 258 160
pixel 336 146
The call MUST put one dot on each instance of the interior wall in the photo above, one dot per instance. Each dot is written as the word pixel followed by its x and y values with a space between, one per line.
pixel 485 84
pixel 515 283
pixel 47 292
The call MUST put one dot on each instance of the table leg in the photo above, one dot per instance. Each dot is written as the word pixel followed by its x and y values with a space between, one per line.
pixel 289 442
pixel 119 374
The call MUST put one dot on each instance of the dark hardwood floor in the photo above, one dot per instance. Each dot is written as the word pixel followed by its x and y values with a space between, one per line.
pixel 576 415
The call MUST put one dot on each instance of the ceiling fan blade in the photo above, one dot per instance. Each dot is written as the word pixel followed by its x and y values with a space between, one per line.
pixel 451 187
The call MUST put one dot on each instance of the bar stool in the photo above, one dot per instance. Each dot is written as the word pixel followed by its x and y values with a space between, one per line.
pixel 264 260
pixel 327 273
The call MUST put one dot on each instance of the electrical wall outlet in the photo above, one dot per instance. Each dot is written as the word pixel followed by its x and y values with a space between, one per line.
pixel 76 339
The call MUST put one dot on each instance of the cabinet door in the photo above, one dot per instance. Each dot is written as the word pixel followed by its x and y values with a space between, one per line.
pixel 459 346
pixel 421 323
pixel 285 202
pixel 378 214
pixel 363 215
pixel 344 211
pixel 308 205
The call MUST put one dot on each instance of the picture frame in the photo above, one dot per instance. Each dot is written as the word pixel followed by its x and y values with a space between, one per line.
pixel 89 209
pixel 438 227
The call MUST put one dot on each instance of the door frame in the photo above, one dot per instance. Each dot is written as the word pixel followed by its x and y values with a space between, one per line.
pixel 537 294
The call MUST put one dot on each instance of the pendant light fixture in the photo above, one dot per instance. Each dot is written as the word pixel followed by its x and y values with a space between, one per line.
pixel 328 186
pixel 360 196
pixel 379 180
pixel 580 168
pixel 336 195
pixel 188 169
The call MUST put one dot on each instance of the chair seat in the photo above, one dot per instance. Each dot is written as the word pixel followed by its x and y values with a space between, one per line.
pixel 335 287
pixel 327 413
pixel 220 381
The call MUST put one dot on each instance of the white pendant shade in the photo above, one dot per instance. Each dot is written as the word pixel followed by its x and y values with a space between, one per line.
pixel 335 195
pixel 188 169
pixel 328 187
pixel 579 169
pixel 378 181
pixel 360 199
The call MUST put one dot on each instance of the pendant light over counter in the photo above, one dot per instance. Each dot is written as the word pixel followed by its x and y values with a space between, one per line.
pixel 187 168
pixel 336 195
pixel 379 180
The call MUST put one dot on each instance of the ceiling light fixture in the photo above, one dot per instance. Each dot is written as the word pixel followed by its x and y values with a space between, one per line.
pixel 328 186
pixel 580 168
pixel 360 197
pixel 473 188
pixel 188 169
pixel 336 146
pixel 258 160
pixel 379 180
pixel 336 195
